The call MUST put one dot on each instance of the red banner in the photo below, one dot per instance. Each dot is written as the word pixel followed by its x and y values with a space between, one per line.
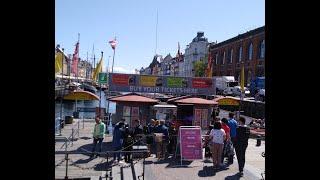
pixel 201 83
pixel 120 79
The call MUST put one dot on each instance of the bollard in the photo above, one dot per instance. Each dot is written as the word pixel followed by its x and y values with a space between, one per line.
pixel 72 136
pixel 78 129
pixel 258 141
pixel 107 169
pixel 66 177
pixel 60 126
pixel 144 159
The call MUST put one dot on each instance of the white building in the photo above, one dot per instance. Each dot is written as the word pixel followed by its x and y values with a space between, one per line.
pixel 196 50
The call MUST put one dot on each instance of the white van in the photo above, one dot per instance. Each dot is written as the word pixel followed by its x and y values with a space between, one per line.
pixel 236 91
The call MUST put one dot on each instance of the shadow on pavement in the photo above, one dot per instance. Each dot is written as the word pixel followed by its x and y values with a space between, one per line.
pixel 106 146
pixel 102 166
pixel 175 163
pixel 207 161
pixel 85 138
pixel 83 161
pixel 206 171
pixel 148 162
pixel 210 171
pixel 233 177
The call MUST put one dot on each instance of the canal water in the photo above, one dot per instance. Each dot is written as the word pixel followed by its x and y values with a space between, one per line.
pixel 68 107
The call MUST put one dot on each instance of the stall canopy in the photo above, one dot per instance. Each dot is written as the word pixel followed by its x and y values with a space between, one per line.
pixel 81 95
pixel 227 101
pixel 165 106
pixel 195 100
pixel 133 97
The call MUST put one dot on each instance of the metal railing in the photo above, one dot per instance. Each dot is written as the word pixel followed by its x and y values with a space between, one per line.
pixel 66 141
pixel 105 154
pixel 75 131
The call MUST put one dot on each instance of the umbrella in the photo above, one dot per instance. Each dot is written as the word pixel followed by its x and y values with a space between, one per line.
pixel 81 95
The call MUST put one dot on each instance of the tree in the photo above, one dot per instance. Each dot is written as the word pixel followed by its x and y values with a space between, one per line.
pixel 199 68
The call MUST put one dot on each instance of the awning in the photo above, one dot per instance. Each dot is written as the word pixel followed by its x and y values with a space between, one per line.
pixel 132 97
pixel 227 101
pixel 165 106
pixel 196 101
pixel 81 95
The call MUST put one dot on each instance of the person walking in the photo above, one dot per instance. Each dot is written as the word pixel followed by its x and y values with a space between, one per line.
pixel 241 143
pixel 217 136
pixel 227 146
pixel 117 140
pixel 98 135
pixel 232 123
pixel 161 147
pixel 127 144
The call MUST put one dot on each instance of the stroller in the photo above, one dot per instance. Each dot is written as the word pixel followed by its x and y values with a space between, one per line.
pixel 206 146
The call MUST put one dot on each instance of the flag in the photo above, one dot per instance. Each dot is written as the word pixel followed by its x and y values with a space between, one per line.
pixel 97 70
pixel 75 60
pixel 113 43
pixel 58 61
pixel 242 79
pixel 209 67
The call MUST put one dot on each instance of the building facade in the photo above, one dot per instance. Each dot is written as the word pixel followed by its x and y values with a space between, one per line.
pixel 246 50
pixel 196 50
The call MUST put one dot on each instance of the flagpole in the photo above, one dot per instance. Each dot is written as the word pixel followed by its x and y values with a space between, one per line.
pixel 241 89
pixel 108 114
pixel 78 58
pixel 100 89
pixel 61 106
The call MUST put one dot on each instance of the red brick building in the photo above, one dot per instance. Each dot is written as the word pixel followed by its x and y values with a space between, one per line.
pixel 246 49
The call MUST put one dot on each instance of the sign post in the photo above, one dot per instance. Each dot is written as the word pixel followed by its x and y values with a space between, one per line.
pixel 190 143
pixel 102 79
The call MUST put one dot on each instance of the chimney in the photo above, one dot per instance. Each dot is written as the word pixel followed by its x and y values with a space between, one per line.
pixel 200 34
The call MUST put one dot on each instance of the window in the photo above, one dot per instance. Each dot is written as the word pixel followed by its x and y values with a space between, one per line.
pixel 250 51
pixel 262 50
pixel 231 54
pixel 224 57
pixel 240 53
pixel 216 59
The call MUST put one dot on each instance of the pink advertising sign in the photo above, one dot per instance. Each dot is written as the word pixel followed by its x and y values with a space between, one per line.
pixel 190 142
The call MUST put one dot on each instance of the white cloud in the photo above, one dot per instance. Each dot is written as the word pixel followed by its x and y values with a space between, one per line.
pixel 122 70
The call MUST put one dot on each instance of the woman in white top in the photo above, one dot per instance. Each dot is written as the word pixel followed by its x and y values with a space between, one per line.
pixel 217 136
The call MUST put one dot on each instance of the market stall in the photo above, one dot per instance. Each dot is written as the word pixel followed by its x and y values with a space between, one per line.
pixel 193 111
pixel 133 106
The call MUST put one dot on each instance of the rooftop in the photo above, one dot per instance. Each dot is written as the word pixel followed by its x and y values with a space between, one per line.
pixel 240 36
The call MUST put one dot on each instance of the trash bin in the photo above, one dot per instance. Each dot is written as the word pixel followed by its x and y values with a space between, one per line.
pixel 68 119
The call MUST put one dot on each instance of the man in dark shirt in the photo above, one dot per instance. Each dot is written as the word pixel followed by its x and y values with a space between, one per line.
pixel 165 140
pixel 241 143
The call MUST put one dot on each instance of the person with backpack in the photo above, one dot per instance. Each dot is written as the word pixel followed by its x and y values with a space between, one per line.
pixel 233 124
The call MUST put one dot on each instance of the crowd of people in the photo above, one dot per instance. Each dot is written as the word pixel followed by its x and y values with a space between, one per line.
pixel 226 138
pixel 158 135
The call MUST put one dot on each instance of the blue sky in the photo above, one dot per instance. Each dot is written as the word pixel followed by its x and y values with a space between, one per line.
pixel 133 22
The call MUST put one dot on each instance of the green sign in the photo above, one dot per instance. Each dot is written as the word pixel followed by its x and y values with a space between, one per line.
pixel 174 82
pixel 103 78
